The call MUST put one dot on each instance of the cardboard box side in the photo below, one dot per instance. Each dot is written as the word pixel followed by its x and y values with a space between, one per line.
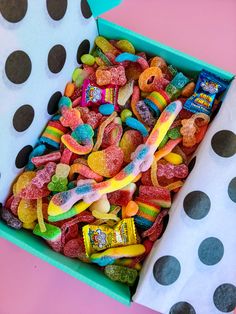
pixel 87 273
pixel 186 63
pixel 99 7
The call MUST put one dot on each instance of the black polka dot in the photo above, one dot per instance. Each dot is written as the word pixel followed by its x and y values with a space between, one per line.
pixel 18 67
pixel 224 143
pixel 23 118
pixel 197 204
pixel 211 251
pixel 53 102
pixel 192 164
pixel 182 308
pixel 166 270
pixel 13 10
pixel 23 156
pixel 56 58
pixel 85 9
pixel 84 47
pixel 56 8
pixel 225 297
pixel 232 189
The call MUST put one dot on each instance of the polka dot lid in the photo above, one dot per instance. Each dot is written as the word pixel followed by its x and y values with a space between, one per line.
pixel 36 63
pixel 191 270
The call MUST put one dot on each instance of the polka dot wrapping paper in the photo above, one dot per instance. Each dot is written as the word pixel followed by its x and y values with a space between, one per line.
pixel 41 44
pixel 191 270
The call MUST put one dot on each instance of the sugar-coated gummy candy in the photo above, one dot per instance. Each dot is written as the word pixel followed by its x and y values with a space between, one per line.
pixel 10 219
pixel 130 140
pixel 24 180
pixel 112 135
pixel 111 75
pixel 44 176
pixel 145 114
pixel 32 192
pixel 107 162
pixel 169 171
pixel 74 248
pixel 37 151
pixel 43 160
pixel 27 211
pixel 121 273
pixel 123 196
pixel 158 62
pixel 105 45
pixel 157 195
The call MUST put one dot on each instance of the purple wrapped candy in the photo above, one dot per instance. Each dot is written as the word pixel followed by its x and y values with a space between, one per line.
pixel 10 219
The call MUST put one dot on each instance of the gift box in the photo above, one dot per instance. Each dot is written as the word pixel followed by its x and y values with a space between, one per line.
pixel 195 251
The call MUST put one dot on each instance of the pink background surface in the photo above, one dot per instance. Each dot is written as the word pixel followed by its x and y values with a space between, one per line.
pixel 204 29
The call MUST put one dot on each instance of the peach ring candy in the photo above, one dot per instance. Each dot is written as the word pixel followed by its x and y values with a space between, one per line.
pixel 146 76
pixel 142 160
pixel 108 256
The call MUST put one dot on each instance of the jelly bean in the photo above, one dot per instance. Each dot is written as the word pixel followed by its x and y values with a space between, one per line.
pixel 27 211
pixel 174 159
pixel 111 75
pixel 101 129
pixel 105 45
pixel 125 93
pixel 125 114
pixel 24 180
pixel 146 76
pixel 108 256
pixel 44 176
pixel 76 73
pixel 130 209
pixel 125 46
pixel 69 90
pixel 88 59
pixel 122 196
pixel 43 160
pixel 107 162
pixel 112 134
pixel 10 219
pixel 137 125
pixel 121 274
pixel 106 109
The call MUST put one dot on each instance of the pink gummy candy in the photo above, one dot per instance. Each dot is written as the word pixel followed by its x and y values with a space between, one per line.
pixel 32 192
pixel 44 176
pixel 170 171
pixel 43 160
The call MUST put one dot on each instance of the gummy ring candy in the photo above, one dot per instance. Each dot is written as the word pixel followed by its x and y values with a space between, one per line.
pixel 146 76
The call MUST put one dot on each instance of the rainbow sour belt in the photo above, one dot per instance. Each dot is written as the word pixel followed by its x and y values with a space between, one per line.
pixel 89 192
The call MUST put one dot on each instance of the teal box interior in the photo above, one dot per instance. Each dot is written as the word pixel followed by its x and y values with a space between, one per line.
pixel 36 246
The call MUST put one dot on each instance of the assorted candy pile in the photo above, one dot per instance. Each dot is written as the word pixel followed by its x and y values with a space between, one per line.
pixel 102 176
